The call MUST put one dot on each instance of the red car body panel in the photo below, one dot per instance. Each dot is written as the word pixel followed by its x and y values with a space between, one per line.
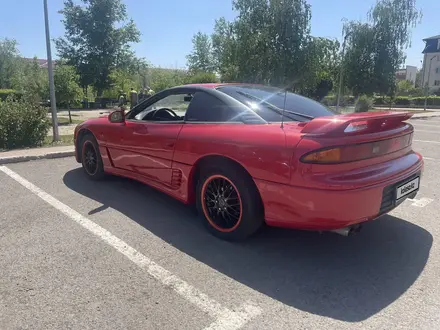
pixel 294 194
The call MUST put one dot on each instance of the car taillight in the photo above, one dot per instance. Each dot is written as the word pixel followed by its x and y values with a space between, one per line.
pixel 356 152
pixel 356 126
pixel 323 156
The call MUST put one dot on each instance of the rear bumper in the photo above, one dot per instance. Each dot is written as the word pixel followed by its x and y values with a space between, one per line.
pixel 319 209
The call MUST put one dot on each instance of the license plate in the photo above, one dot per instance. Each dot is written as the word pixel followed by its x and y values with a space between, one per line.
pixel 407 188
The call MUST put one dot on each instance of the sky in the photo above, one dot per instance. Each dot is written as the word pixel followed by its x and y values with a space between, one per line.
pixel 167 26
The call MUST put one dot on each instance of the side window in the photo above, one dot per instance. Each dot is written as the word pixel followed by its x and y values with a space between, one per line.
pixel 207 108
pixel 177 103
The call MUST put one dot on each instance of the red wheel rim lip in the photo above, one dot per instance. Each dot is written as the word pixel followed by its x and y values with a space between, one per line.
pixel 86 143
pixel 205 211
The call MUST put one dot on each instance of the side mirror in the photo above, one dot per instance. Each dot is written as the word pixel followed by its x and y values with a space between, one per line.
pixel 117 116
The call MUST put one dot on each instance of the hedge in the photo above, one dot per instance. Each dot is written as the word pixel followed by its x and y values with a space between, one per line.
pixel 380 100
pixel 408 101
pixel 4 93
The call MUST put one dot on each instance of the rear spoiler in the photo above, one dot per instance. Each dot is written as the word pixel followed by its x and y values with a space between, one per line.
pixel 355 123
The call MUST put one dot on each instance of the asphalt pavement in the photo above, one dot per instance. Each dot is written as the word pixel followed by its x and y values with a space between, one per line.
pixel 77 254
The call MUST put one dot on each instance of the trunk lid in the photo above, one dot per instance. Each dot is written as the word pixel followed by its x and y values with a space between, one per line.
pixel 355 124
pixel 354 140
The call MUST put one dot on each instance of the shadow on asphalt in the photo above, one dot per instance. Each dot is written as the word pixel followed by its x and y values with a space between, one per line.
pixel 345 278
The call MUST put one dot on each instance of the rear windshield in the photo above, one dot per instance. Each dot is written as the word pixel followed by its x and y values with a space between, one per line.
pixel 268 102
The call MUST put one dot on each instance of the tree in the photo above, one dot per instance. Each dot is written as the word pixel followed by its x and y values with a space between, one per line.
pixel 359 59
pixel 322 64
pixel 224 47
pixel 9 63
pixel 266 43
pixel 67 89
pixel 375 49
pixel 201 59
pixel 405 88
pixel 21 75
pixel 32 81
pixel 392 21
pixel 96 39
pixel 122 81
pixel 201 77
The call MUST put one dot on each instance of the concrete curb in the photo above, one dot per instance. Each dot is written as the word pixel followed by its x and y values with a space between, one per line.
pixel 26 158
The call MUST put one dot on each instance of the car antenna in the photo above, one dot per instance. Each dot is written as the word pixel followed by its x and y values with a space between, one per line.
pixel 289 85
pixel 284 107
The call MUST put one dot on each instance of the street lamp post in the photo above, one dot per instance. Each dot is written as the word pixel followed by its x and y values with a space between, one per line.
pixel 53 104
pixel 341 72
pixel 427 83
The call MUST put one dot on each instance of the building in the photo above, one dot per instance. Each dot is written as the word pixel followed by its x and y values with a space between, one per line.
pixel 409 73
pixel 431 63
pixel 42 62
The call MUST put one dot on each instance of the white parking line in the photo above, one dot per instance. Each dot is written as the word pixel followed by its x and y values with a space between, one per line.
pixel 436 142
pixel 415 121
pixel 224 318
pixel 423 131
pixel 426 122
pixel 422 202
pixel 418 124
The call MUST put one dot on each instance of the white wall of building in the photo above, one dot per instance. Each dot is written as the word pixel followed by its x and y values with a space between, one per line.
pixel 411 73
pixel 434 73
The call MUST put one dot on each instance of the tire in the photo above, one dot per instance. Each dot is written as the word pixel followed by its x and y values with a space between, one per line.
pixel 247 217
pixel 90 148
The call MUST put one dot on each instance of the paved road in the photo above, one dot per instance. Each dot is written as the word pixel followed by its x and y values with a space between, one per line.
pixel 118 255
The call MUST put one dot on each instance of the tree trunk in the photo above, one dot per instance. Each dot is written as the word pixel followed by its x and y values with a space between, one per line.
pixel 68 109
pixel 99 92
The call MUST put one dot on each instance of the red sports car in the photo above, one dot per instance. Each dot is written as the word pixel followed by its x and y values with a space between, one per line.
pixel 249 154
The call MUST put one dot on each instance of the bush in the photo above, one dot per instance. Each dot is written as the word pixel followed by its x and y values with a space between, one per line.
pixel 201 78
pixel 329 100
pixel 408 101
pixel 402 100
pixel 4 93
pixel 364 104
pixel 432 100
pixel 332 100
pixel 22 124
pixel 379 101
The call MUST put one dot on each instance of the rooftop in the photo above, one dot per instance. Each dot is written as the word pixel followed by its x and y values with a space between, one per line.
pixel 41 62
pixel 432 38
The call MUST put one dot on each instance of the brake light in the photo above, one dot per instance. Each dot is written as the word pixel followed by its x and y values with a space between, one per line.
pixel 356 126
pixel 357 152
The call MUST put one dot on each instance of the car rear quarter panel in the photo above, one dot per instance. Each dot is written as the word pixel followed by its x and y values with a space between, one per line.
pixel 261 149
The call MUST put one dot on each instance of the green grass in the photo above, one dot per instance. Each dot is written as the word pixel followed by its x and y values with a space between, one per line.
pixel 65 140
pixel 65 121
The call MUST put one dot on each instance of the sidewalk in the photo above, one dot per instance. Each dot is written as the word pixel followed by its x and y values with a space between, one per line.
pixel 406 109
pixel 24 155
pixel 426 115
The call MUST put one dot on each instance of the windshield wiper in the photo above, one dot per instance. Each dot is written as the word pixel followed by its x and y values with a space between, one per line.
pixel 275 108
